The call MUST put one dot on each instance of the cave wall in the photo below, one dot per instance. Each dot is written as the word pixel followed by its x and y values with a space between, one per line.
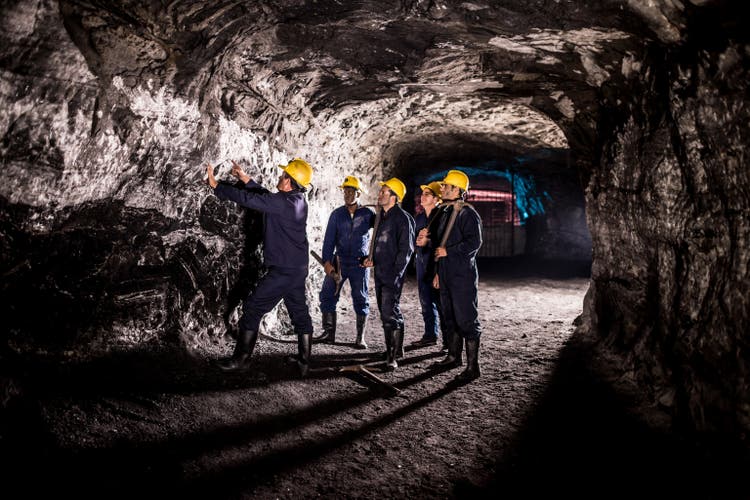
pixel 110 236
pixel 668 210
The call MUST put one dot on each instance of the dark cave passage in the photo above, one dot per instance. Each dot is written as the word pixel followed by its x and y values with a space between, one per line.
pixel 531 202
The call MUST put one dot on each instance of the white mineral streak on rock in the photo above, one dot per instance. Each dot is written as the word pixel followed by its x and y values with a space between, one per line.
pixel 473 6
pixel 630 67
pixel 565 106
pixel 587 42
pixel 595 74
pixel 253 152
pixel 512 46
pixel 168 125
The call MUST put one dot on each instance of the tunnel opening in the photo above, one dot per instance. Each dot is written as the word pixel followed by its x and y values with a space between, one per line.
pixel 531 202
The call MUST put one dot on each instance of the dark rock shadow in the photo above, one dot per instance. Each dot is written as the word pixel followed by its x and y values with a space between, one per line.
pixel 250 270
pixel 153 467
pixel 524 266
pixel 584 440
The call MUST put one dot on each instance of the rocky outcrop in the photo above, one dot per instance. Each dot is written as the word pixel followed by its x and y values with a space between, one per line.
pixel 668 211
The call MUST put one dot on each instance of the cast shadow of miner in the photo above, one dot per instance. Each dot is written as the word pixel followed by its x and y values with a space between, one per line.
pixel 251 266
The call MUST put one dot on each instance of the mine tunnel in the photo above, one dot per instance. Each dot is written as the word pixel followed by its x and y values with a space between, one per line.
pixel 605 145
pixel 531 201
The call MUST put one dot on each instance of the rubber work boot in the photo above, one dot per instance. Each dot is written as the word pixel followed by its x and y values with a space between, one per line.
pixel 472 362
pixel 387 337
pixel 329 328
pixel 424 342
pixel 399 341
pixel 453 359
pixel 361 331
pixel 444 345
pixel 390 349
pixel 304 346
pixel 240 359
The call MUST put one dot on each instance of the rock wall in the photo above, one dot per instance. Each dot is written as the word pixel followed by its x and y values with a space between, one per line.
pixel 669 214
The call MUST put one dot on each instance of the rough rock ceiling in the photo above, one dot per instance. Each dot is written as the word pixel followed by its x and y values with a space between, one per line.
pixel 265 60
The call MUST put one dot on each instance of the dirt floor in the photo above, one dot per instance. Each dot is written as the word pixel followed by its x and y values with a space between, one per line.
pixel 166 424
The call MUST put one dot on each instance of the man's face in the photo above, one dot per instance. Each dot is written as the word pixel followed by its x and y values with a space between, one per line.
pixel 384 196
pixel 282 181
pixel 350 195
pixel 448 192
pixel 428 199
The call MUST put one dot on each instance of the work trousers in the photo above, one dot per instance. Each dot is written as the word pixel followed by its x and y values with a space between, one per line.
pixel 458 299
pixel 388 295
pixel 429 300
pixel 287 283
pixel 358 277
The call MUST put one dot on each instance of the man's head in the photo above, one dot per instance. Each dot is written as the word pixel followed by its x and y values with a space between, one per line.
pixel 430 195
pixel 351 189
pixel 455 185
pixel 297 175
pixel 286 183
pixel 391 192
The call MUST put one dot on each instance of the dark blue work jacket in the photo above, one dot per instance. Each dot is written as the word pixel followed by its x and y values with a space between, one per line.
pixel 394 244
pixel 424 257
pixel 463 242
pixel 285 222
pixel 348 236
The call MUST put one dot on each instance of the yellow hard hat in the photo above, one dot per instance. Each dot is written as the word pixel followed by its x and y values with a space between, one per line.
pixel 458 179
pixel 300 171
pixel 351 181
pixel 432 186
pixel 396 186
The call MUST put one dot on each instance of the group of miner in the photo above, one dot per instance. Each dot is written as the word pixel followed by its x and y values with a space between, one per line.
pixel 444 239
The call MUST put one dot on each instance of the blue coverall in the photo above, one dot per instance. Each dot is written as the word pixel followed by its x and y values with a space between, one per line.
pixel 424 261
pixel 458 274
pixel 348 237
pixel 285 254
pixel 394 245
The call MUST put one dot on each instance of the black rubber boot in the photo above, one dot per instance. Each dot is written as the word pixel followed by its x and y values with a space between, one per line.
pixel 240 359
pixel 304 347
pixel 453 359
pixel 390 349
pixel 472 362
pixel 361 331
pixel 399 342
pixel 329 328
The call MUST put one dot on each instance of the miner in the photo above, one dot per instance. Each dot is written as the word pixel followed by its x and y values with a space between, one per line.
pixel 346 242
pixel 460 236
pixel 285 255
pixel 424 261
pixel 392 248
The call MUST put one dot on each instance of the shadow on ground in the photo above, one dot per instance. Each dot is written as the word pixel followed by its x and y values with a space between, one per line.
pixel 587 441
